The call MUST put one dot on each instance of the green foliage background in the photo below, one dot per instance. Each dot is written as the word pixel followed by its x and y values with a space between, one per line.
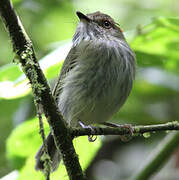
pixel 152 30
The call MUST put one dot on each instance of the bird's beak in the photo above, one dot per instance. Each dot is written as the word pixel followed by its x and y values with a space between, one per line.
pixel 82 17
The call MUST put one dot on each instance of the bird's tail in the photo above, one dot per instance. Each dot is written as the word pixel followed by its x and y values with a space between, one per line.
pixel 52 152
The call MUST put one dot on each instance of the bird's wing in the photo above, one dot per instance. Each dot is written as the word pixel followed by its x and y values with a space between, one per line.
pixel 68 65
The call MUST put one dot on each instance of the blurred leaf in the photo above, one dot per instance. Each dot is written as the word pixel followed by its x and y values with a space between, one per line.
pixel 9 72
pixel 52 21
pixel 23 141
pixel 10 90
pixel 158 44
pixel 6 54
pixel 16 1
pixel 7 110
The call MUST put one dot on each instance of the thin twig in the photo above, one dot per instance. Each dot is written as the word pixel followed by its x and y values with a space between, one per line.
pixel 137 130
pixel 42 133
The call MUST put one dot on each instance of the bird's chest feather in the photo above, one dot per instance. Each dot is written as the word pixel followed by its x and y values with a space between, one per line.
pixel 95 88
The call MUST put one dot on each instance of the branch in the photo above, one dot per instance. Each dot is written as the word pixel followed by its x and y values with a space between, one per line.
pixel 42 95
pixel 122 130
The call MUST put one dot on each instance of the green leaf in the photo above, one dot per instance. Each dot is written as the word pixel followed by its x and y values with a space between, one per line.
pixel 23 141
pixel 9 72
pixel 158 44
pixel 7 111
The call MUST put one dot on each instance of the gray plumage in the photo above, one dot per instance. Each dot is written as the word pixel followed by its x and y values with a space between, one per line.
pixel 96 77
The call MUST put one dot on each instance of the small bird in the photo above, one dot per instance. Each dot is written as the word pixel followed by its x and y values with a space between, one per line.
pixel 96 77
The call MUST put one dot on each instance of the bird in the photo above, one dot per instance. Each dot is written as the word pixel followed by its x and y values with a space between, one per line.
pixel 95 80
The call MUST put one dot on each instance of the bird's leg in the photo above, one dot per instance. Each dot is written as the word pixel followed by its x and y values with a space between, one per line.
pixel 90 137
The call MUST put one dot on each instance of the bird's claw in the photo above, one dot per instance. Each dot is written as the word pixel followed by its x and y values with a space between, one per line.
pixel 91 138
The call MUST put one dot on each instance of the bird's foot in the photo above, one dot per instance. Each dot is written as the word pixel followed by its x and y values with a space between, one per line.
pixel 91 138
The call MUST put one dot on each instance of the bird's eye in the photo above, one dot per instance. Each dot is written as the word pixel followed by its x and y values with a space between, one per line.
pixel 107 24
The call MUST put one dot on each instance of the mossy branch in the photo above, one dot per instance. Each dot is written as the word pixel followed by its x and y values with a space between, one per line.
pixel 22 46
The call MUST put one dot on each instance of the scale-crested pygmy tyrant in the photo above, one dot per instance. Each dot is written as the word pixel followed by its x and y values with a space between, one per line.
pixel 96 77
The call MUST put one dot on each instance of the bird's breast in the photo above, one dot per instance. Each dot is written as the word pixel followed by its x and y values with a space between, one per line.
pixel 96 87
